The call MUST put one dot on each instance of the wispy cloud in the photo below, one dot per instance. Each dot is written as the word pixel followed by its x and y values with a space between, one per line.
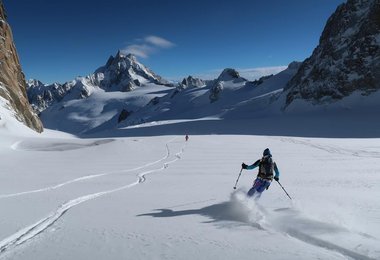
pixel 159 42
pixel 256 73
pixel 147 46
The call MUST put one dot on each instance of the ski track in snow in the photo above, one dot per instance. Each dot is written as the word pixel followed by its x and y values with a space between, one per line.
pixel 332 149
pixel 37 145
pixel 302 236
pixel 88 177
pixel 293 223
pixel 35 229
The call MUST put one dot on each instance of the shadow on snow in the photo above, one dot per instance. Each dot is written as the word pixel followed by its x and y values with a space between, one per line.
pixel 222 212
pixel 324 127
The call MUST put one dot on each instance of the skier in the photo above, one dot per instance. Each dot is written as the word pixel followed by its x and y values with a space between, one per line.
pixel 265 176
pixel 186 138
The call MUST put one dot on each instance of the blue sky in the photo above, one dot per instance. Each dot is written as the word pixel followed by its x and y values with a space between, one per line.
pixel 59 40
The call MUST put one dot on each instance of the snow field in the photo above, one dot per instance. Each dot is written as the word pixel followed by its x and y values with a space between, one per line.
pixel 187 208
pixel 30 231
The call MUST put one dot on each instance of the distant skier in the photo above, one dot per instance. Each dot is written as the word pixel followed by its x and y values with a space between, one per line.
pixel 187 138
pixel 267 168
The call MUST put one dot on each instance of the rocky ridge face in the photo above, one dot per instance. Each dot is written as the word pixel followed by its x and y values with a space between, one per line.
pixel 347 58
pixel 12 79
pixel 43 95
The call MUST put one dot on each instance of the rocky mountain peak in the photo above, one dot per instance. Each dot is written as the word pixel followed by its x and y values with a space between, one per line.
pixel 190 81
pixel 33 83
pixel 124 72
pixel 294 65
pixel 347 58
pixel 131 57
pixel 228 74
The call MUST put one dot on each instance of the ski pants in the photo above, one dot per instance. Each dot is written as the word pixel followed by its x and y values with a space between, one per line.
pixel 259 186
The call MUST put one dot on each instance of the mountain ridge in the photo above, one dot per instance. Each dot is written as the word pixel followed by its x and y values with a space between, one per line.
pixel 344 64
pixel 120 73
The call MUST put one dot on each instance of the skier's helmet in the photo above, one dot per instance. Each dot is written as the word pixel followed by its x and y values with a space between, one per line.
pixel 266 152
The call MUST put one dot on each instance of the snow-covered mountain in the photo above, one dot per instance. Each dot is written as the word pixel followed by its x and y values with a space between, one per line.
pixel 13 100
pixel 124 92
pixel 217 98
pixel 347 58
pixel 193 98
pixel 121 73
pixel 344 67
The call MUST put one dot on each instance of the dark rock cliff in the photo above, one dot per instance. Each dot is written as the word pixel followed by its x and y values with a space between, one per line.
pixel 12 79
pixel 347 58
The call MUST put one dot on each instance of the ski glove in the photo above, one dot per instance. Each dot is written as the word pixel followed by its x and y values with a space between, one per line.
pixel 244 166
pixel 276 178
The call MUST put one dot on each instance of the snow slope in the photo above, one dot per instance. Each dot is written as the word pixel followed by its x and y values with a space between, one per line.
pixel 160 197
pixel 9 125
pixel 100 110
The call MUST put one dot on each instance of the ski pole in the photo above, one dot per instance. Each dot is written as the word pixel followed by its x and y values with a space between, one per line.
pixel 284 189
pixel 238 178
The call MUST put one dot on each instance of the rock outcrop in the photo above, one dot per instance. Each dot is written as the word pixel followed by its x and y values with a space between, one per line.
pixel 12 79
pixel 217 85
pixel 347 58
pixel 191 82
pixel 230 74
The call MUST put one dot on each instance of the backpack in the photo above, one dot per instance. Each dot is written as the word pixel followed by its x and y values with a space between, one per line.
pixel 266 167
